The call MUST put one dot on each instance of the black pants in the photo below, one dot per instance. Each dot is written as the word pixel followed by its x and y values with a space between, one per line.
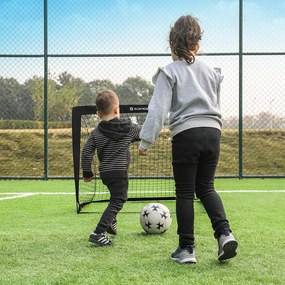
pixel 195 155
pixel 118 188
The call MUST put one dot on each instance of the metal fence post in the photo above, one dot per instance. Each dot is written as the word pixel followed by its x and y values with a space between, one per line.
pixel 45 89
pixel 240 89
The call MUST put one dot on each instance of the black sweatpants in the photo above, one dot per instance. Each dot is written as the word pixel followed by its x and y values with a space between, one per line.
pixel 118 188
pixel 195 155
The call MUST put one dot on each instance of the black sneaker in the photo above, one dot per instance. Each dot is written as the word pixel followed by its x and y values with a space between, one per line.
pixel 227 246
pixel 112 229
pixel 100 239
pixel 184 255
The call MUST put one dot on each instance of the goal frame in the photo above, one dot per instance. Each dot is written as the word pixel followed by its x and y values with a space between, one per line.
pixel 77 113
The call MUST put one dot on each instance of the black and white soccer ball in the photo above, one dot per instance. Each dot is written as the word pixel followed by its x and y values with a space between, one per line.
pixel 155 218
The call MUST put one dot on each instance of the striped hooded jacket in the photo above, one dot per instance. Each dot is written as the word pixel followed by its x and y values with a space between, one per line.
pixel 112 141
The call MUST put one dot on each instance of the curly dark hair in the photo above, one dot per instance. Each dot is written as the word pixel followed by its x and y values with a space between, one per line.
pixel 184 37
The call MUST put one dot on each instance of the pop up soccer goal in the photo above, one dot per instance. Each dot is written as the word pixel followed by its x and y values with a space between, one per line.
pixel 150 177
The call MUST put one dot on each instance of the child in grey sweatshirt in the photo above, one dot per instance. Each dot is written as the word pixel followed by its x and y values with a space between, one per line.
pixel 188 91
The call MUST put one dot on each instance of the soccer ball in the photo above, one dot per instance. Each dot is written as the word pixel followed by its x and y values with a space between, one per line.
pixel 155 218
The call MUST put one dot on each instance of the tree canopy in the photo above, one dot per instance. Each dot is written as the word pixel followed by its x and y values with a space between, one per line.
pixel 26 101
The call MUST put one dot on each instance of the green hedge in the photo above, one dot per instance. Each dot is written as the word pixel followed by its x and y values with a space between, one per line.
pixel 25 124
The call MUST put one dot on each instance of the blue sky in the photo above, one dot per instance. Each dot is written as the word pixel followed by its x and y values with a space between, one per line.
pixel 137 26
pixel 142 26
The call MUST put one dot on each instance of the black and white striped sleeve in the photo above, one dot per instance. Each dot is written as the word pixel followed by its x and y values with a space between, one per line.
pixel 87 156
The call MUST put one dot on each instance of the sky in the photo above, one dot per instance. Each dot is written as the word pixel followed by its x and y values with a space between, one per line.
pixel 142 27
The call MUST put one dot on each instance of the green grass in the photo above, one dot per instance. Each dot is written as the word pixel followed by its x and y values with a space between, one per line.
pixel 44 241
pixel 68 185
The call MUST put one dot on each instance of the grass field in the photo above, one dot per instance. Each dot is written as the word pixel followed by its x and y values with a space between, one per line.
pixel 44 241
pixel 263 153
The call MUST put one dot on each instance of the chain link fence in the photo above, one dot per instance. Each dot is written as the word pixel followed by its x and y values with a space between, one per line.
pixel 57 54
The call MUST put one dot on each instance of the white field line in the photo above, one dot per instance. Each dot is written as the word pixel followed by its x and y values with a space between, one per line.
pixel 251 191
pixel 26 194
pixel 37 193
pixel 21 195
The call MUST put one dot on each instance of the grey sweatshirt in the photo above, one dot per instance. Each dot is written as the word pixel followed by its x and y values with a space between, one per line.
pixel 189 94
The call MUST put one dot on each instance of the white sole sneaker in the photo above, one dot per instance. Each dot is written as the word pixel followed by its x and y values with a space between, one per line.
pixel 227 247
pixel 186 255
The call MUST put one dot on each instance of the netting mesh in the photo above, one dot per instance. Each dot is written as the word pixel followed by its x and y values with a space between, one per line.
pixel 57 54
pixel 149 176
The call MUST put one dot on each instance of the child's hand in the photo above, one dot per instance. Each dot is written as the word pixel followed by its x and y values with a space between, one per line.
pixel 142 151
pixel 87 179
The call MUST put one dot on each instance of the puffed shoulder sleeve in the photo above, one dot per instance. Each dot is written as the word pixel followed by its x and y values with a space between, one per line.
pixel 219 75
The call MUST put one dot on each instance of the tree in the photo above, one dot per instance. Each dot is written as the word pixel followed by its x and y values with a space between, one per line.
pixel 265 120
pixel 61 98
pixel 66 79
pixel 61 102
pixel 249 122
pixel 15 100
pixel 92 89
pixel 135 90
pixel 36 86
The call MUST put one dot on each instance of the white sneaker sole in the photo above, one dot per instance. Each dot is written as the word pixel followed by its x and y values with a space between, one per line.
pixel 185 260
pixel 228 250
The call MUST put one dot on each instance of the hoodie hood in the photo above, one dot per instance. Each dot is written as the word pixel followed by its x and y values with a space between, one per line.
pixel 116 128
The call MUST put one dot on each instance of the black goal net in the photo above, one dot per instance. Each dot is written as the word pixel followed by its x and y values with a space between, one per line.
pixel 150 177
